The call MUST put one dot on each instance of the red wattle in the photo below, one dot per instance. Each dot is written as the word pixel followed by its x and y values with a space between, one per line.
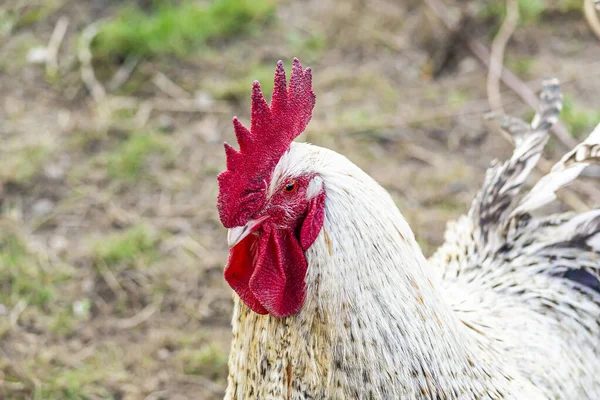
pixel 278 280
pixel 240 268
pixel 268 272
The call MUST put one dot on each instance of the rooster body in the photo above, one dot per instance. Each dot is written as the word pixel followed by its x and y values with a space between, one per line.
pixel 373 325
pixel 506 308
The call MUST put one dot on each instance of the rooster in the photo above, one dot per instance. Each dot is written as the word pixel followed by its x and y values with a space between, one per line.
pixel 335 299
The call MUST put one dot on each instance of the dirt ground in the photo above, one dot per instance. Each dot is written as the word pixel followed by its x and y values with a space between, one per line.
pixel 111 250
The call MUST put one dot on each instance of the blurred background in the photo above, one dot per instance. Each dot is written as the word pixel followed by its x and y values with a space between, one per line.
pixel 112 118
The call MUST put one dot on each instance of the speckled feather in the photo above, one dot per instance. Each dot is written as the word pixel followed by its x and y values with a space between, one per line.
pixel 495 313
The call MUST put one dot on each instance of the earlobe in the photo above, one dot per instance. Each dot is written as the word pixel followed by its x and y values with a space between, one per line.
pixel 313 222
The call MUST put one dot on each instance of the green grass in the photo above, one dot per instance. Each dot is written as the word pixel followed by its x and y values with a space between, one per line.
pixel 22 165
pixel 14 19
pixel 458 97
pixel 208 361
pixel 579 120
pixel 566 6
pixel 360 120
pixel 308 47
pixel 179 29
pixel 83 382
pixel 120 161
pixel 240 89
pixel 62 323
pixel 522 66
pixel 358 117
pixel 132 244
pixel 22 276
pixel 8 20
pixel 127 161
pixel 530 11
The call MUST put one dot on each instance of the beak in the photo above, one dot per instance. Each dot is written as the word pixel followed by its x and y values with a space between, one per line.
pixel 238 233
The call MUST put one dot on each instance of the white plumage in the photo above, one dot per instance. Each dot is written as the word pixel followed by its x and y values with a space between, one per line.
pixel 508 307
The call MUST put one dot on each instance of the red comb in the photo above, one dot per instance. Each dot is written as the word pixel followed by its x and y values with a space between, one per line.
pixel 272 129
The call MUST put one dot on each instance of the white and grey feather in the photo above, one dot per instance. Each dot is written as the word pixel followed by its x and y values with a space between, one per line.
pixel 499 311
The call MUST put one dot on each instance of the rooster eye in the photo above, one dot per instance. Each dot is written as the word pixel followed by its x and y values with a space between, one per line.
pixel 290 187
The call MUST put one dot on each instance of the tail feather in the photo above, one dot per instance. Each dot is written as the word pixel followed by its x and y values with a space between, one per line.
pixel 500 233
pixel 550 105
pixel 503 181
pixel 563 173
pixel 571 241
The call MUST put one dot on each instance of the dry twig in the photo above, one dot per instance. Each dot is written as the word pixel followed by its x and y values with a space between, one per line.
pixel 54 45
pixel 509 79
pixel 123 74
pixel 169 87
pixel 110 279
pixel 16 312
pixel 143 114
pixel 497 55
pixel 591 15
pixel 140 317
pixel 513 82
pixel 159 394
pixel 84 53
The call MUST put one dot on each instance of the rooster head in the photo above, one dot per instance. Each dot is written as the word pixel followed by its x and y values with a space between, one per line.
pixel 271 221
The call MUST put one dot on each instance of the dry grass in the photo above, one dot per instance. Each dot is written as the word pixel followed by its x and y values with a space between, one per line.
pixel 111 251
